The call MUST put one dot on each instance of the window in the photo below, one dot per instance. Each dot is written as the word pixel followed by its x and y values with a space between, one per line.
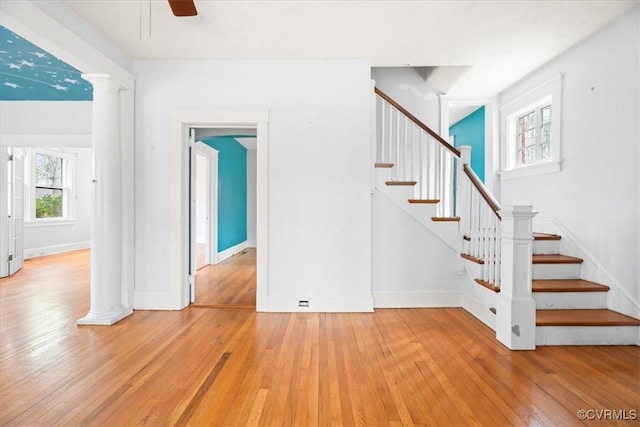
pixel 530 132
pixel 50 177
pixel 534 136
pixel 49 189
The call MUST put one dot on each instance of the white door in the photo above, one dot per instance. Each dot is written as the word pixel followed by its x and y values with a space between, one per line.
pixel 192 216
pixel 208 161
pixel 203 207
pixel 16 211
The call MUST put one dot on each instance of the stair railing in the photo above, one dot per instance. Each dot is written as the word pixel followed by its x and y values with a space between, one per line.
pixel 481 225
pixel 417 152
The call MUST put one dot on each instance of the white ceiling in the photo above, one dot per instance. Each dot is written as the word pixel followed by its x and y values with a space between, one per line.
pixel 498 41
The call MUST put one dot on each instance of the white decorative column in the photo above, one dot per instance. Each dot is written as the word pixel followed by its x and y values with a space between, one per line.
pixel 516 309
pixel 106 206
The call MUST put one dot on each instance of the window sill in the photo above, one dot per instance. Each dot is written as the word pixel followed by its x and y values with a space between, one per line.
pixel 49 222
pixel 531 170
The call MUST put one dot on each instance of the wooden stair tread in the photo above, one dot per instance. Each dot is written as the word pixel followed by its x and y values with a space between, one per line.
pixel 424 201
pixel 590 317
pixel 545 236
pixel 445 219
pixel 472 258
pixel 567 285
pixel 488 285
pixel 401 182
pixel 384 165
pixel 555 259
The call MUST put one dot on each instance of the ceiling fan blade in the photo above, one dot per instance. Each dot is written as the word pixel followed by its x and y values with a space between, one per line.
pixel 183 7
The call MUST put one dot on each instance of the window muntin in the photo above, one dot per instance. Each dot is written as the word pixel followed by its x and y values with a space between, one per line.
pixel 49 186
pixel 539 151
pixel 50 179
pixel 534 136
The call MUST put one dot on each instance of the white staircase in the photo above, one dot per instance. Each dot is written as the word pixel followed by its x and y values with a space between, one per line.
pixel 544 300
pixel 570 310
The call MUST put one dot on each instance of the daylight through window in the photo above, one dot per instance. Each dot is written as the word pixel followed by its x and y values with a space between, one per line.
pixel 534 136
pixel 49 186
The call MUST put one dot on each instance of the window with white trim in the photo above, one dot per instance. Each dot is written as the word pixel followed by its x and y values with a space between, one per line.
pixel 50 177
pixel 531 132
pixel 533 135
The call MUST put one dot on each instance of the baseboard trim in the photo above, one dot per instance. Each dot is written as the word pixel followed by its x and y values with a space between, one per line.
pixel 156 301
pixel 417 300
pixel 479 311
pixel 55 249
pixel 320 304
pixel 229 252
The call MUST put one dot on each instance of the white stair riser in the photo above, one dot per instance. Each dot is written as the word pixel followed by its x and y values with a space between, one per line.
pixel 587 335
pixel 556 271
pixel 569 300
pixel 546 246
pixel 422 212
pixel 398 193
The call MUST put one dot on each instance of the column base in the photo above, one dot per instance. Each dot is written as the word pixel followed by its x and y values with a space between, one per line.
pixel 105 319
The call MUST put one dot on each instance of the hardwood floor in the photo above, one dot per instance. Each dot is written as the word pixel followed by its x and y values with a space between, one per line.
pixel 229 283
pixel 238 367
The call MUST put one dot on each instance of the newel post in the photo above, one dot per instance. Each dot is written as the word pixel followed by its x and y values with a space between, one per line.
pixel 516 309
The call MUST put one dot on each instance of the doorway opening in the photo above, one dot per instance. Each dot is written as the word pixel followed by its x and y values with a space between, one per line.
pixel 222 218
pixel 230 241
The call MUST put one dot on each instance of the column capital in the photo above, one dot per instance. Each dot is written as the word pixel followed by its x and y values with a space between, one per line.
pixel 102 80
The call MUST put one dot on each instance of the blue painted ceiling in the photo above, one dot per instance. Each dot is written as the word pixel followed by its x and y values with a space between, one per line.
pixel 28 73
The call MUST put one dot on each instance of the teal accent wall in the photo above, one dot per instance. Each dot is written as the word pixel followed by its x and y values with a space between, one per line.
pixel 470 131
pixel 232 190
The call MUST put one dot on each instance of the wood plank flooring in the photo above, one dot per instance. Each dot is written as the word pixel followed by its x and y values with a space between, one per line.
pixel 237 367
pixel 231 283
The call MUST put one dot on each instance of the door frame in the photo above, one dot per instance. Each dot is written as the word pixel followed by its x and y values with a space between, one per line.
pixel 4 211
pixel 181 122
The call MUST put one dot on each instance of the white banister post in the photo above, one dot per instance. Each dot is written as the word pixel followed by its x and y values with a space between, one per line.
pixel 463 190
pixel 516 309
pixel 106 205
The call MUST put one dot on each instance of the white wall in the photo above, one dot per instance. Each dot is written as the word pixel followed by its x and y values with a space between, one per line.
pixel 62 125
pixel 597 193
pixel 406 86
pixel 45 118
pixel 48 239
pixel 251 197
pixel 411 266
pixel 319 167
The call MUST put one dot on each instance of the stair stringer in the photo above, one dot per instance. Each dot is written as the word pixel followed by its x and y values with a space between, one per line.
pixel 411 266
pixel 617 298
pixel 400 195
pixel 477 299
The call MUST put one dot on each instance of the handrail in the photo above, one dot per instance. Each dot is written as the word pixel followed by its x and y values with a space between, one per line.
pixel 417 122
pixel 493 204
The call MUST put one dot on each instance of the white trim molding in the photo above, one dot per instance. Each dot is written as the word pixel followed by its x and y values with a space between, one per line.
pixel 321 304
pixel 55 249
pixel 417 299
pixel 178 171
pixel 551 92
